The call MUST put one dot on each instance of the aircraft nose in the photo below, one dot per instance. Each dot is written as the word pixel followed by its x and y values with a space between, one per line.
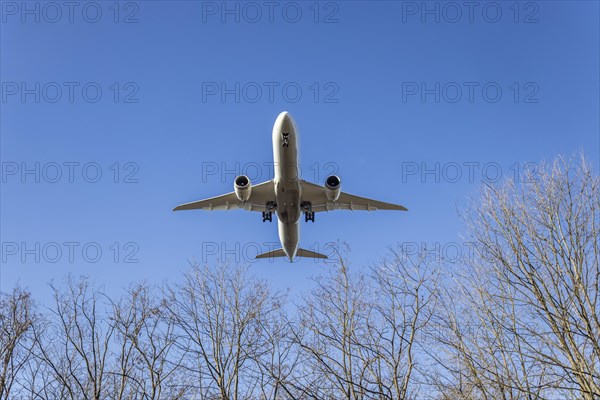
pixel 286 121
pixel 287 117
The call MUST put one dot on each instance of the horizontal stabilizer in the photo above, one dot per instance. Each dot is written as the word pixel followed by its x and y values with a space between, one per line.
pixel 309 254
pixel 300 253
pixel 272 254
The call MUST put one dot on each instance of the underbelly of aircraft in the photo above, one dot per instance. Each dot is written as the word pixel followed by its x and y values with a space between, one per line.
pixel 288 204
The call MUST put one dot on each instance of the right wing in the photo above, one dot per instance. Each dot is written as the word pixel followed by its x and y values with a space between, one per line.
pixel 259 196
pixel 316 195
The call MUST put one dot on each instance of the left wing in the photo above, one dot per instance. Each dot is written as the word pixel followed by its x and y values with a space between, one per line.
pixel 315 194
pixel 259 196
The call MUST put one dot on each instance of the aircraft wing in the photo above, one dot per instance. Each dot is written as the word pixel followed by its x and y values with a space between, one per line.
pixel 259 196
pixel 316 195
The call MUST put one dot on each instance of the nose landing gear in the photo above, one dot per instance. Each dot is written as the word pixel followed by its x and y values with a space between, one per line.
pixel 285 139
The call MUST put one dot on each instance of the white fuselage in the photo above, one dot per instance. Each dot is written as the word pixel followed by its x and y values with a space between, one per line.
pixel 287 182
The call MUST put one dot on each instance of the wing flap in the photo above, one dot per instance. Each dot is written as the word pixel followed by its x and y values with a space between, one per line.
pixel 260 195
pixel 316 195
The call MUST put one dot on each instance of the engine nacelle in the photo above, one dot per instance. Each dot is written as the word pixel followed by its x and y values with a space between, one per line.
pixel 333 184
pixel 242 187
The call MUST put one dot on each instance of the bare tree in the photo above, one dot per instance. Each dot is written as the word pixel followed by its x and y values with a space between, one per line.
pixel 333 325
pixel 73 346
pixel 406 299
pixel 219 313
pixel 17 316
pixel 278 361
pixel 526 323
pixel 145 365
pixel 360 332
pixel 485 359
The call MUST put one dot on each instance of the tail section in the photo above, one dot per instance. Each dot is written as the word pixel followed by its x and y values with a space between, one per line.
pixel 301 253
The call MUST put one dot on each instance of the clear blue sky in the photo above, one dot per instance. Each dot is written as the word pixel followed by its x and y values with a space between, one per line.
pixel 379 102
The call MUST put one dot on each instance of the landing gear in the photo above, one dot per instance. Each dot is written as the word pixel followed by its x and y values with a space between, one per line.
pixel 309 214
pixel 268 214
pixel 285 139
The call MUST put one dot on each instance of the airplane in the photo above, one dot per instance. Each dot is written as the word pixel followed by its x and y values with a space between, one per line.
pixel 288 195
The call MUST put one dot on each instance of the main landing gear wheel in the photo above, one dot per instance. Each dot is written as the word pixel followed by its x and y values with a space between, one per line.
pixel 309 216
pixel 268 214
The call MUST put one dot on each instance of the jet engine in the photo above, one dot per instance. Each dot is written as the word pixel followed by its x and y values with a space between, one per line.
pixel 333 185
pixel 242 187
